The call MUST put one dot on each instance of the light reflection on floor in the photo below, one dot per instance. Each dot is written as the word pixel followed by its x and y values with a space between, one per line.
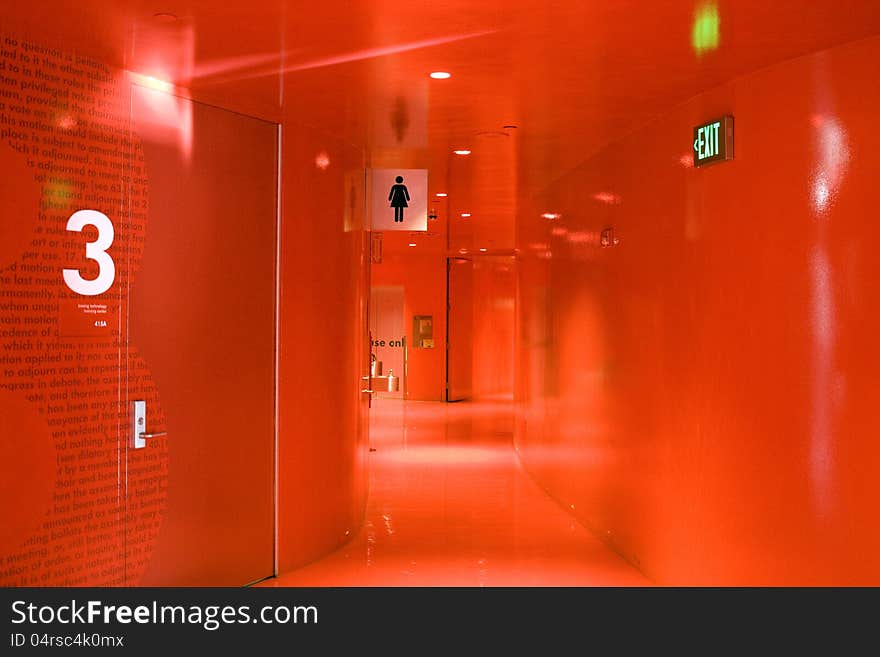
pixel 450 506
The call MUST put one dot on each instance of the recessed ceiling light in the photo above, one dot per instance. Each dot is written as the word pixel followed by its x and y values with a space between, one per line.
pixel 463 151
pixel 484 250
pixel 465 215
pixel 441 194
pixel 551 215
pixel 412 243
pixel 441 75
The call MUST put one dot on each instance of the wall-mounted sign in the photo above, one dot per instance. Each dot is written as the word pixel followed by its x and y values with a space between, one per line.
pixel 713 141
pixel 376 248
pixel 87 308
pixel 382 342
pixel 399 199
pixel 423 331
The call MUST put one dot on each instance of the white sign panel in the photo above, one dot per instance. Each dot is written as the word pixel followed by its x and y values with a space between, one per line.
pixel 399 199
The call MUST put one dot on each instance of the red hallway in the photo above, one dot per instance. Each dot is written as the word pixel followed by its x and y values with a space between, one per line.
pixel 450 505
pixel 492 293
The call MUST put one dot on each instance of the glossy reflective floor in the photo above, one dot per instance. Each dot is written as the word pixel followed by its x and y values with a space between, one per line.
pixel 451 506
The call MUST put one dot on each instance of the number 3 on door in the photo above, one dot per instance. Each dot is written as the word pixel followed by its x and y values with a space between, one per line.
pixel 96 251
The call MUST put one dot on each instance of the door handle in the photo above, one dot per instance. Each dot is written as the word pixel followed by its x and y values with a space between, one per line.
pixel 139 434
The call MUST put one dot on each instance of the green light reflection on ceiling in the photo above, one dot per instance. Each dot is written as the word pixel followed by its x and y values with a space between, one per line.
pixel 706 33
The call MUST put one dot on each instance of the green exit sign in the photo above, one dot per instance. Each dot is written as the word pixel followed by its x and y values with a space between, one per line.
pixel 713 141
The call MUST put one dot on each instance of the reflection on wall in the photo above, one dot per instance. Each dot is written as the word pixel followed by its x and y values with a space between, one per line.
pixel 494 321
pixel 388 336
pixel 703 394
pixel 66 368
pixel 460 329
pixel 324 278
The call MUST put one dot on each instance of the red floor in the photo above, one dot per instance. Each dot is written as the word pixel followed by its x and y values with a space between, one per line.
pixel 451 506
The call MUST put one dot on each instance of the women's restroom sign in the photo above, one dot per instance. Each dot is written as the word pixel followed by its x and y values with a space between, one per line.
pixel 399 199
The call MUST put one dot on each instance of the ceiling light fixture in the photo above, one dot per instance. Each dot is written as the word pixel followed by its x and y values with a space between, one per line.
pixel 441 75
pixel 483 250
pixel 551 215
pixel 463 151
pixel 441 194
pixel 412 243
pixel 465 215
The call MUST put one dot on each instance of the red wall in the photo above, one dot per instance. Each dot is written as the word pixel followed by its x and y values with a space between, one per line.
pixel 324 347
pixel 423 277
pixel 493 326
pixel 63 422
pixel 65 146
pixel 703 395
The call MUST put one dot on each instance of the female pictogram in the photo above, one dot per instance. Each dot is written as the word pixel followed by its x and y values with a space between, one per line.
pixel 398 196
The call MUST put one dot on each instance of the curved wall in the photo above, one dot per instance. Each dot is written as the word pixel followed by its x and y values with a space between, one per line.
pixel 324 348
pixel 703 395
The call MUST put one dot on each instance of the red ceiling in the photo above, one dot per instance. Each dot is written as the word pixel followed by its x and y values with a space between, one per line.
pixel 573 75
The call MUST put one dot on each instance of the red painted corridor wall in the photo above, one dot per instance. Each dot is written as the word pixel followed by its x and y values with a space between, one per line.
pixel 494 323
pixel 65 145
pixel 324 347
pixel 65 379
pixel 703 394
